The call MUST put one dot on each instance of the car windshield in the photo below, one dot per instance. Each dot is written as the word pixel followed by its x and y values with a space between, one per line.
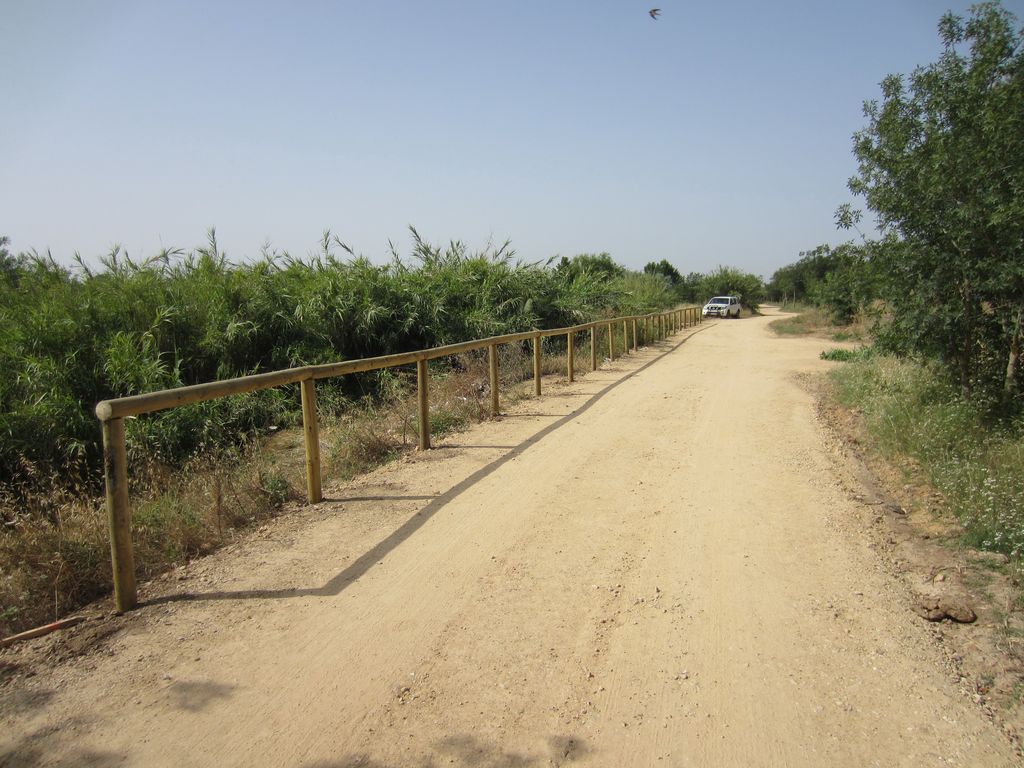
pixel 719 300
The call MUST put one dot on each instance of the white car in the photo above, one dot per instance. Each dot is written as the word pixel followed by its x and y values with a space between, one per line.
pixel 722 306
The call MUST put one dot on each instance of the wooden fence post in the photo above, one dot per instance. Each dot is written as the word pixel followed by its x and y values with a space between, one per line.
pixel 115 474
pixel 111 414
pixel 536 365
pixel 492 370
pixel 570 344
pixel 311 434
pixel 422 386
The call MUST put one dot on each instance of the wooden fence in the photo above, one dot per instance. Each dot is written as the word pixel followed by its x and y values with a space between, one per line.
pixel 112 413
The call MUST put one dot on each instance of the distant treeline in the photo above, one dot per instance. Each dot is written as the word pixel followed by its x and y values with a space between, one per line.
pixel 971 328
pixel 72 337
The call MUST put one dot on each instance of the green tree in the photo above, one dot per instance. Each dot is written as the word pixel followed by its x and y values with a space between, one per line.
pixel 731 281
pixel 600 264
pixel 941 164
pixel 663 267
pixel 8 263
pixel 691 288
pixel 850 283
pixel 799 280
pixel 842 280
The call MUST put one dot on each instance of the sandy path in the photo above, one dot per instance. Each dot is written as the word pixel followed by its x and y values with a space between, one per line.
pixel 659 565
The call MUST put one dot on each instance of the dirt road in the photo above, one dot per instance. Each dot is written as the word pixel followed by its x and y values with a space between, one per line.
pixel 662 564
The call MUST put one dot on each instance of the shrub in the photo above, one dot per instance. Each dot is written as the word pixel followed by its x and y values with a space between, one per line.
pixel 842 355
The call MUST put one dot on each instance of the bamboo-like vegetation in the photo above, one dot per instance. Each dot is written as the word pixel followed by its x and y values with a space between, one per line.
pixel 71 337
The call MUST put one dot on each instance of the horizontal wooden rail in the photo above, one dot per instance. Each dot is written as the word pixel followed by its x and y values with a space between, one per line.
pixel 112 413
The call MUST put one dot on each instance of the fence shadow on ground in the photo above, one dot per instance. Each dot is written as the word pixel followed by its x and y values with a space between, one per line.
pixel 383 548
pixel 470 750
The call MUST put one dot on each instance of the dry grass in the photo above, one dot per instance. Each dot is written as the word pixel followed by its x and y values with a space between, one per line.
pixel 54 549
pixel 913 412
pixel 816 322
pixel 806 322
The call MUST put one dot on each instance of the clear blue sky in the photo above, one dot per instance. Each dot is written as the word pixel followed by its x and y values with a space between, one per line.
pixel 718 134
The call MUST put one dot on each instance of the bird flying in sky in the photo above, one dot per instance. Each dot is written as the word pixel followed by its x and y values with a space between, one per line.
pixel 654 13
